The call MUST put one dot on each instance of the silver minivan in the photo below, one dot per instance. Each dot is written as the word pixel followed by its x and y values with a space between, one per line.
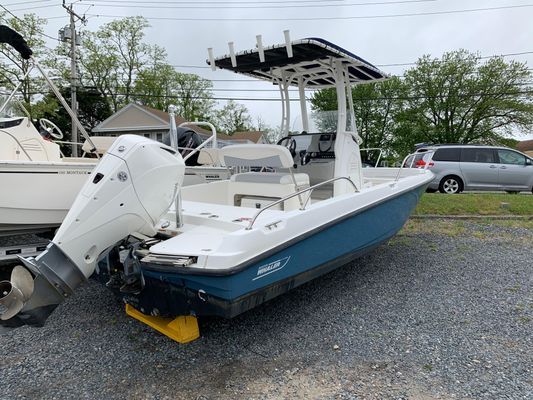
pixel 476 167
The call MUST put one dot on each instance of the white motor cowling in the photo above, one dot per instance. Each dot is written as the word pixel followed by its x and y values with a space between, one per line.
pixel 134 184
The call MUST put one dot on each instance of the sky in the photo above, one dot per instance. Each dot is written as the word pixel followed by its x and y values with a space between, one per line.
pixel 390 34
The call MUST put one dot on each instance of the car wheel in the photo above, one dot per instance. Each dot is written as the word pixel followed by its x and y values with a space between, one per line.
pixel 512 191
pixel 451 185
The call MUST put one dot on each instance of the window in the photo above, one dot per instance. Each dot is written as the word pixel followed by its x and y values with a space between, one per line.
pixel 511 157
pixel 447 154
pixel 477 155
pixel 159 137
pixel 147 135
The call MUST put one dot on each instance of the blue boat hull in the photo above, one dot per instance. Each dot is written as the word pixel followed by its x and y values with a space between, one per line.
pixel 229 293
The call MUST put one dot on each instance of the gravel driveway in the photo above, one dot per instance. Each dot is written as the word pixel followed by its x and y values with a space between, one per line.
pixel 443 312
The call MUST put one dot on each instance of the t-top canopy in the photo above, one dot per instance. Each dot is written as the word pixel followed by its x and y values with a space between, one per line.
pixel 310 60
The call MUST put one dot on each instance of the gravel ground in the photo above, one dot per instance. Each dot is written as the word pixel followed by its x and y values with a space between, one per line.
pixel 426 316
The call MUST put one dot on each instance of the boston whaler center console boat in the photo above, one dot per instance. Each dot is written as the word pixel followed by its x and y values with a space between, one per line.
pixel 230 245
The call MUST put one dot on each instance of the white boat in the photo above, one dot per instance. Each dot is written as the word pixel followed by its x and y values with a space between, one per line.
pixel 38 185
pixel 230 245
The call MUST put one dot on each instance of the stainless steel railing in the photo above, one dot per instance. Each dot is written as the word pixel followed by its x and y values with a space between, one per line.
pixel 412 161
pixel 212 139
pixel 298 193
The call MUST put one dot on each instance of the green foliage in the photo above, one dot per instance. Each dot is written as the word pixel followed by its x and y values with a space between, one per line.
pixel 460 99
pixel 92 109
pixel 12 66
pixel 117 62
pixel 474 204
pixel 456 99
pixel 233 117
pixel 162 85
pixel 111 57
pixel 376 106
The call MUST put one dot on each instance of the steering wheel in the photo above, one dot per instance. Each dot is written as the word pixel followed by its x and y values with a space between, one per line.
pixel 291 144
pixel 50 127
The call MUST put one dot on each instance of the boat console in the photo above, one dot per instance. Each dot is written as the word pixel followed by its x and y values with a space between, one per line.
pixel 313 154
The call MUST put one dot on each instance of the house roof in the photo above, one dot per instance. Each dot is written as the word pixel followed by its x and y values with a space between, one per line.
pixel 525 145
pixel 136 117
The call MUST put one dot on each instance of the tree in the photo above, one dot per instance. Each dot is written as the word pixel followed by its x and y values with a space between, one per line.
pixel 111 58
pixel 233 117
pixel 161 86
pixel 460 99
pixel 92 109
pixel 455 99
pixel 375 105
pixel 12 66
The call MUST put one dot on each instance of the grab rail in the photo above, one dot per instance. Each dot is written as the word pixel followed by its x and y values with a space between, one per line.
pixel 212 138
pixel 298 193
pixel 373 149
pixel 412 161
pixel 18 143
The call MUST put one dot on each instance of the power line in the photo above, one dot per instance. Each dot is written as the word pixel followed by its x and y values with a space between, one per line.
pixel 36 7
pixel 20 20
pixel 481 57
pixel 141 95
pixel 347 18
pixel 223 2
pixel 377 65
pixel 218 5
pixel 27 2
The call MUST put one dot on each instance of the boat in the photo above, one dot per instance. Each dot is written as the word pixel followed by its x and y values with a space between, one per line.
pixel 38 183
pixel 176 253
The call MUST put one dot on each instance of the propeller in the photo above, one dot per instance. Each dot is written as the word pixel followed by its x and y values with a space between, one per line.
pixel 15 292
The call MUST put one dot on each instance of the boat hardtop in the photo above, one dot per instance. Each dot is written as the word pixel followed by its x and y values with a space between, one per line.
pixel 309 56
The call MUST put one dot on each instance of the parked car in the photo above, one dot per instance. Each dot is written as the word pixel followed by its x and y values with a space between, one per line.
pixel 417 160
pixel 475 167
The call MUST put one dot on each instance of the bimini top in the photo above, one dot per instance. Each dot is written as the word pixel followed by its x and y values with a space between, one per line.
pixel 311 60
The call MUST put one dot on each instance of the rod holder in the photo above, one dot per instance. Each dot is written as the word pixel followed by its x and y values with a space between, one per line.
pixel 232 54
pixel 260 49
pixel 211 59
pixel 288 43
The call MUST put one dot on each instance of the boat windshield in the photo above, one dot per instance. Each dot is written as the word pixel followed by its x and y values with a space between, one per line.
pixel 11 109
pixel 326 121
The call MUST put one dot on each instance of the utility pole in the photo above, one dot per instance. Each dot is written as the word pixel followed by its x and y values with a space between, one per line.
pixel 64 36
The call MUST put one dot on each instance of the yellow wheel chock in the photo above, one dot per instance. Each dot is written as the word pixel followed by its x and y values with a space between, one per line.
pixel 182 329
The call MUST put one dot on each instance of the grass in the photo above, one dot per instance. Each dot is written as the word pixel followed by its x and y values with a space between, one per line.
pixel 447 228
pixel 478 204
pixel 456 228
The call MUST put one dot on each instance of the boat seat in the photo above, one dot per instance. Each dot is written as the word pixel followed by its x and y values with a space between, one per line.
pixel 208 156
pixel 302 180
pixel 257 189
pixel 261 188
pixel 102 144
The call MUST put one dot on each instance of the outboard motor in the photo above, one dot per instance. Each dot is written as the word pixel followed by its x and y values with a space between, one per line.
pixel 134 184
pixel 187 139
